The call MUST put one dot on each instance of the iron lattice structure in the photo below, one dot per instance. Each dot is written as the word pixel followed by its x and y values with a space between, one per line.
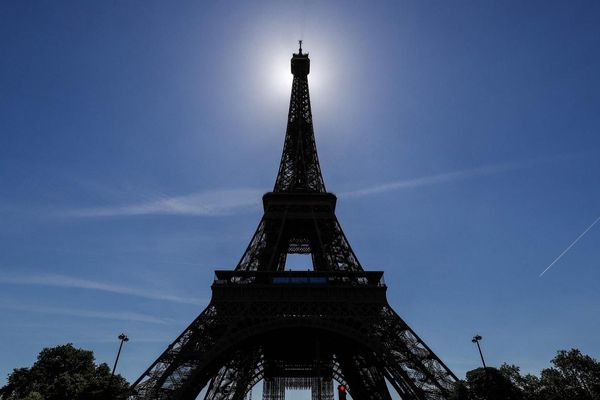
pixel 297 329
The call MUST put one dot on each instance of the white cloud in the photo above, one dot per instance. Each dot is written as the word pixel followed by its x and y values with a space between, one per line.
pixel 227 202
pixel 440 178
pixel 74 282
pixel 210 203
pixel 120 315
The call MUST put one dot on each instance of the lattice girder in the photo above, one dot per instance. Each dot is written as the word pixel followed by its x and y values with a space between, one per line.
pixel 355 315
pixel 299 223
pixel 299 170
pixel 234 379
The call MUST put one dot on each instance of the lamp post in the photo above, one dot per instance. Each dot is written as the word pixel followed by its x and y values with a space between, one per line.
pixel 476 340
pixel 123 338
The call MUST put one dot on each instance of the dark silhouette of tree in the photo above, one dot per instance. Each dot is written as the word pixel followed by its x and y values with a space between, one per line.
pixel 528 385
pixel 64 372
pixel 490 384
pixel 572 376
pixel 461 392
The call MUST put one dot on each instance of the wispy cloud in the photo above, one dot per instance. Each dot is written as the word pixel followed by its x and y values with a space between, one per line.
pixel 441 178
pixel 78 283
pixel 214 203
pixel 565 251
pixel 94 314
pixel 111 339
pixel 210 203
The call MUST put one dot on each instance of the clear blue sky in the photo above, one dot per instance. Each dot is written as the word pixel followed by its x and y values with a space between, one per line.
pixel 463 139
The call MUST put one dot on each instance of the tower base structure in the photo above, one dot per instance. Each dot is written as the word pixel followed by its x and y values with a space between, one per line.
pixel 297 330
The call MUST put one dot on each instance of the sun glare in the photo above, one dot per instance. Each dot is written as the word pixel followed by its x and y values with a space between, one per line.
pixel 279 76
pixel 268 93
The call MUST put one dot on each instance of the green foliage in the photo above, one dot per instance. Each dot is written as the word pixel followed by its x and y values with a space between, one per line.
pixel 572 376
pixel 33 396
pixel 528 385
pixel 461 392
pixel 491 384
pixel 64 372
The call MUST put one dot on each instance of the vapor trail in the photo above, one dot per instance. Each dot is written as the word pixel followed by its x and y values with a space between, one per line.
pixel 571 245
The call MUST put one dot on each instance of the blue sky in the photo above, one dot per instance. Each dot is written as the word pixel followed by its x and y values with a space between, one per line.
pixel 463 140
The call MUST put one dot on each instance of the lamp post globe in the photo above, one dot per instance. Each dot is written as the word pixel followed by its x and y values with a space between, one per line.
pixel 476 339
pixel 123 338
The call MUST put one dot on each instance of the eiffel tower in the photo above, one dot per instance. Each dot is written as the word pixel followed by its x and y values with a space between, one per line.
pixel 297 329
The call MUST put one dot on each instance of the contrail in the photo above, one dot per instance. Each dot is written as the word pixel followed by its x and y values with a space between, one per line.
pixel 571 245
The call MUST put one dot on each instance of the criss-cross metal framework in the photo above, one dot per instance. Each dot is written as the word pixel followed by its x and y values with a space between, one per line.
pixel 297 329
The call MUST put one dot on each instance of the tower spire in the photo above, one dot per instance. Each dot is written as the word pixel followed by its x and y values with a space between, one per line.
pixel 299 170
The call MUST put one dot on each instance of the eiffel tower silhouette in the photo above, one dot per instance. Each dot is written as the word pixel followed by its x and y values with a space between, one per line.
pixel 297 329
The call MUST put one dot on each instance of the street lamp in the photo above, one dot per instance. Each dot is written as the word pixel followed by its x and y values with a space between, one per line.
pixel 123 338
pixel 476 340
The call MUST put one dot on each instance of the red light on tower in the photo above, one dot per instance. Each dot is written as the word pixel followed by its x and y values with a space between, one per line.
pixel 342 392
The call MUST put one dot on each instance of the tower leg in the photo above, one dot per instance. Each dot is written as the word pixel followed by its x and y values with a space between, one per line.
pixel 365 380
pixel 233 380
pixel 410 365
pixel 274 389
pixel 322 390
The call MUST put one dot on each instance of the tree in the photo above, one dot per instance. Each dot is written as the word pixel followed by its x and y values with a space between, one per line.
pixel 460 392
pixel 573 376
pixel 64 372
pixel 528 385
pixel 490 384
pixel 33 396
